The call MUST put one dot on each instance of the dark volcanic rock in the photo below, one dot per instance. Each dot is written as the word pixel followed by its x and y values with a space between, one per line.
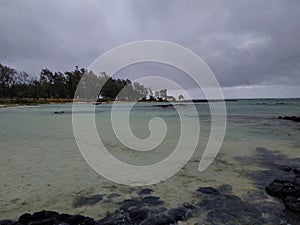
pixel 292 118
pixel 161 220
pixel 59 112
pixel 118 218
pixel 228 209
pixel 6 222
pixel 152 200
pixel 79 220
pixel 48 221
pixel 62 217
pixel 138 215
pixel 51 218
pixel 145 191
pixel 130 203
pixel 178 214
pixel 296 170
pixel 225 189
pixel 288 190
pixel 292 203
pixel 208 191
pixel 280 179
pixel 275 189
pixel 91 200
pixel 220 217
pixel 164 106
pixel 25 218
pixel 44 215
pixel 113 195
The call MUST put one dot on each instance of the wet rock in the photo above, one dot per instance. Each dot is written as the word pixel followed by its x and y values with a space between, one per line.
pixel 79 220
pixel 292 118
pixel 42 215
pixel 275 189
pixel 188 206
pixel 208 191
pixel 25 218
pixel 47 221
pixel 297 181
pixel 113 195
pixel 92 200
pixel 225 189
pixel 178 214
pixel 220 217
pixel 51 218
pixel 62 217
pixel 160 220
pixel 292 203
pixel 120 217
pixel 164 106
pixel 278 169
pixel 152 200
pixel 129 203
pixel 6 222
pixel 138 215
pixel 145 191
pixel 59 112
pixel 183 212
pixel 288 179
pixel 285 168
pixel 228 209
pixel 296 170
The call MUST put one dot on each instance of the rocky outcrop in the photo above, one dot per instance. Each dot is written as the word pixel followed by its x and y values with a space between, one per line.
pixel 287 189
pixel 292 118
pixel 213 205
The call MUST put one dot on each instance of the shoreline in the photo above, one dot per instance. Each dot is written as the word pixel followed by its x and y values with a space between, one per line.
pixel 5 103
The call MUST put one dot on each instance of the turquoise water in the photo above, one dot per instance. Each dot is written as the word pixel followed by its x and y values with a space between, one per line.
pixel 42 167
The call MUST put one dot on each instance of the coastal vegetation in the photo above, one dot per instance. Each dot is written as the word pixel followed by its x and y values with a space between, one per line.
pixel 49 86
pixel 56 87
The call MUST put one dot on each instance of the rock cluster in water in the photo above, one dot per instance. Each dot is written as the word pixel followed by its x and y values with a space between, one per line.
pixel 210 205
pixel 283 173
pixel 287 189
pixel 214 205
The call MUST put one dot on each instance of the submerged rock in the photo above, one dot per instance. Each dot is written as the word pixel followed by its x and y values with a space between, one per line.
pixel 152 200
pixel 288 190
pixel 120 217
pixel 208 191
pixel 59 112
pixel 6 222
pixel 50 218
pixel 292 118
pixel 91 200
pixel 179 214
pixel 138 215
pixel 145 191
pixel 130 203
pixel 279 179
pixel 159 220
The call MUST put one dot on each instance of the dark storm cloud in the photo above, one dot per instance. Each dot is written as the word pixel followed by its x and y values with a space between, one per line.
pixel 255 42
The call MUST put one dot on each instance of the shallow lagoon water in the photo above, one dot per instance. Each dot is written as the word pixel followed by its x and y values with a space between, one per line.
pixel 42 167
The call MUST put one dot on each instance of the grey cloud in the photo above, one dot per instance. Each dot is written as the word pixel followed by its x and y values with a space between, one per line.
pixel 244 42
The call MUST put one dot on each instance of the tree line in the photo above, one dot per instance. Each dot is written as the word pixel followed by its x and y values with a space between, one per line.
pixel 49 84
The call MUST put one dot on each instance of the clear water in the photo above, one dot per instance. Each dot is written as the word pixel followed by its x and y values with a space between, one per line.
pixel 42 167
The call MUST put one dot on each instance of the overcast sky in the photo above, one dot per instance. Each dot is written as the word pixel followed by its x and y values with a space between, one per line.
pixel 253 46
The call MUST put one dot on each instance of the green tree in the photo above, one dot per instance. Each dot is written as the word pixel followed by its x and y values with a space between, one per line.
pixel 7 76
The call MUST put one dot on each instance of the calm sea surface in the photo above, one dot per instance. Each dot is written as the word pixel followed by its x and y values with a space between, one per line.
pixel 41 166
